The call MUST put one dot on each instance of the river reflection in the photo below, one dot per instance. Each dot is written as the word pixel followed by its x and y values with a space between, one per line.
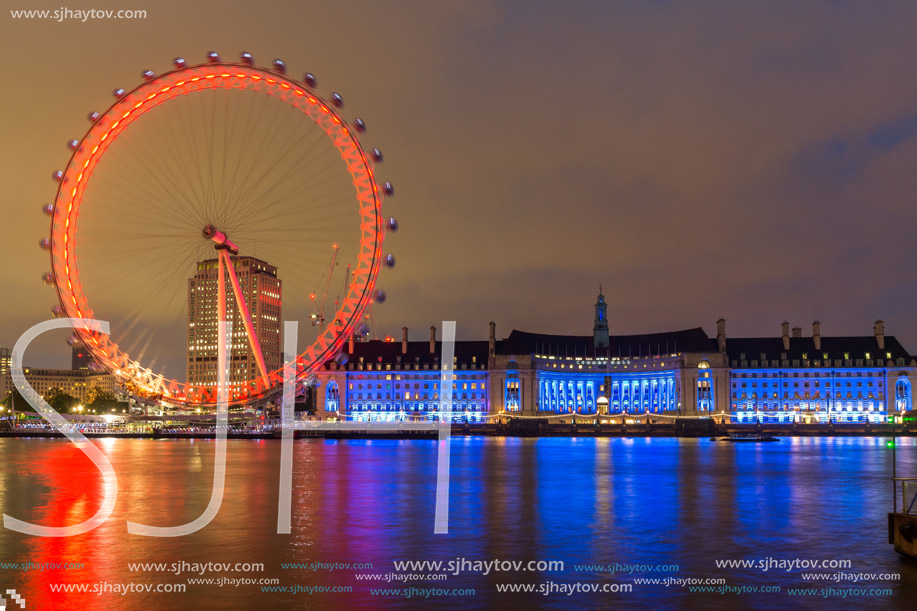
pixel 581 501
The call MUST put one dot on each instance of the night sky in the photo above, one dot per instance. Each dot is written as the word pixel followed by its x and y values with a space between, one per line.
pixel 752 161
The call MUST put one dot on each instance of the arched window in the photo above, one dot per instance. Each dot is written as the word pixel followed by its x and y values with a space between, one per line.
pixel 903 394
pixel 705 390
pixel 332 397
pixel 512 396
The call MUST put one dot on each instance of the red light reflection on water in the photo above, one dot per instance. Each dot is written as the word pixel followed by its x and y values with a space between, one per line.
pixel 73 492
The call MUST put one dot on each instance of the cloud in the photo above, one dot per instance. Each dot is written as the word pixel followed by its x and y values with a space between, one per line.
pixel 752 161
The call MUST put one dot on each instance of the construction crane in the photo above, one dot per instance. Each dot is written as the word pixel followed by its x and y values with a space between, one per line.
pixel 370 327
pixel 318 317
pixel 347 280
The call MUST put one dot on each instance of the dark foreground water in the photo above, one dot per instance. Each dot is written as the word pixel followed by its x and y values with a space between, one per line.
pixel 655 503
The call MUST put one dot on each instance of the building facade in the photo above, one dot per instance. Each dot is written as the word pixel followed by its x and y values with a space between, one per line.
pixel 5 359
pixel 389 381
pixel 80 358
pixel 814 379
pixel 76 383
pixel 783 379
pixel 261 289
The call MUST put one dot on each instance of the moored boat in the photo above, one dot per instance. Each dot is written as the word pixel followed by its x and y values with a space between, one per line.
pixel 751 437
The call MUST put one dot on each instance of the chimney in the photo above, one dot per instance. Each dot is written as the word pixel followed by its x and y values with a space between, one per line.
pixel 879 331
pixel 350 344
pixel 797 331
pixel 404 340
pixel 492 340
pixel 786 335
pixel 816 334
pixel 432 340
pixel 721 335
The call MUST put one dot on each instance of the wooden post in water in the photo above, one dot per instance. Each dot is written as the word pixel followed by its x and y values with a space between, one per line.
pixel 894 469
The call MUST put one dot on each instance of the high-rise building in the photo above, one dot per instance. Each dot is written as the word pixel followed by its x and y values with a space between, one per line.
pixel 261 289
pixel 81 358
pixel 5 385
pixel 5 356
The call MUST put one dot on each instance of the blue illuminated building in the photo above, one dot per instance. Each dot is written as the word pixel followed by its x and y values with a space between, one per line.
pixel 389 381
pixel 819 379
pixel 650 377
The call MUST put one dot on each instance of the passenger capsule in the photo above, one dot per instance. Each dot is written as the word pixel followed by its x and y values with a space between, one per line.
pixel 388 189
pixel 93 116
pixel 58 176
pixel 392 224
pixel 246 58
pixel 359 125
pixel 377 155
pixel 148 75
pixel 309 79
pixel 380 296
pixel 93 366
pixel 179 62
pixel 45 244
pixel 57 311
pixel 390 260
pixel 337 100
pixel 48 209
pixel 73 144
pixel 279 66
pixel 213 57
pixel 118 93
pixel 73 340
pixel 47 278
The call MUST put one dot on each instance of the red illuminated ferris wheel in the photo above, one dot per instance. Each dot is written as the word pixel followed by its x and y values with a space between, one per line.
pixel 207 167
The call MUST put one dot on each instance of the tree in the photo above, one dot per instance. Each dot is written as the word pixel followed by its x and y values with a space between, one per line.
pixel 15 400
pixel 59 400
pixel 101 400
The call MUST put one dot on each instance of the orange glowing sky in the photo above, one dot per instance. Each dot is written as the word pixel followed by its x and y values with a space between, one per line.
pixel 746 160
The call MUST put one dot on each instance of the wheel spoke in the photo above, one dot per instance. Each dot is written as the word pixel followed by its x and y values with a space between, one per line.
pixel 244 153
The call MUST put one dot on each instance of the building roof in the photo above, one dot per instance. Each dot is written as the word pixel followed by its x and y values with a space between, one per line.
pixel 648 344
pixel 803 348
pixel 468 354
pixel 474 354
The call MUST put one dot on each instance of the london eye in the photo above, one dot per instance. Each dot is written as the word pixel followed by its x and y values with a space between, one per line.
pixel 210 192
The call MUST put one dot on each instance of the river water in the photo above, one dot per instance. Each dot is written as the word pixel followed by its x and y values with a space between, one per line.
pixel 659 508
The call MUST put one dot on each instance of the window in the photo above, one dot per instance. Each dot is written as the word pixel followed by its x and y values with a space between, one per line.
pixel 903 394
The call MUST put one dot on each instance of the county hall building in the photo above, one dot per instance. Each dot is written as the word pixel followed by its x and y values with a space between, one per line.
pixel 787 378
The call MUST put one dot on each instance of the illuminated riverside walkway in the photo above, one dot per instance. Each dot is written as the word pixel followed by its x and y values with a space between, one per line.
pixel 513 427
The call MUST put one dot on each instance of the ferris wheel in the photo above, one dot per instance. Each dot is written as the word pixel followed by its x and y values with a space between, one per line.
pixel 214 191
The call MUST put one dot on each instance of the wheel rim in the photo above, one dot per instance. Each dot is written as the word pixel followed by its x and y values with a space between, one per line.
pixel 116 120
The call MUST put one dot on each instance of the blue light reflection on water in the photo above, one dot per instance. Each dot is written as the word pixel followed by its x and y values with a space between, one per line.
pixel 590 501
